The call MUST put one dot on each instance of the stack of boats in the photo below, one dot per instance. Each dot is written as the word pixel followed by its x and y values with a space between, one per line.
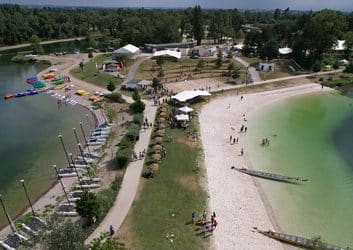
pixel 99 135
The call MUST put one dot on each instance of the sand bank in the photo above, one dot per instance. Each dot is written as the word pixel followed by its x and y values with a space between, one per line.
pixel 235 197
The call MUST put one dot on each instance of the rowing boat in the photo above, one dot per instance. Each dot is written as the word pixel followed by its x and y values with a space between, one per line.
pixel 299 241
pixel 271 176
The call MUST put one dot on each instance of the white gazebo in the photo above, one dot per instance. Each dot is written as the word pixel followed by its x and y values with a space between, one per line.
pixel 182 118
pixel 128 49
pixel 189 95
pixel 186 109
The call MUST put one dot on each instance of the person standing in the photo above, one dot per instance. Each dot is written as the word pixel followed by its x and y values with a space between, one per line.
pixel 193 217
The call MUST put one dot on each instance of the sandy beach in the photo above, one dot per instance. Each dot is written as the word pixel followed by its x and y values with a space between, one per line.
pixel 235 197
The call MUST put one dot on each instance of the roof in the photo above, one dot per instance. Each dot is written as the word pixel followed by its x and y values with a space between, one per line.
pixel 190 94
pixel 110 62
pixel 182 117
pixel 238 46
pixel 144 82
pixel 168 52
pixel 339 45
pixel 285 51
pixel 186 109
pixel 127 49
pixel 170 45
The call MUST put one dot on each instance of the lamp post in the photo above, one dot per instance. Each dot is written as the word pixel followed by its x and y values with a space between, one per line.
pixel 76 137
pixel 29 200
pixel 74 166
pixel 84 160
pixel 84 136
pixel 62 185
pixel 66 154
pixel 7 215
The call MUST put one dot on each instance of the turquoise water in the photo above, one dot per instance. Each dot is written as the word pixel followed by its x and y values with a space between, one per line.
pixel 29 127
pixel 314 140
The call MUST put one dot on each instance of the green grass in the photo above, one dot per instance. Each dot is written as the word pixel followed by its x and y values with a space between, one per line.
pixel 90 74
pixel 282 69
pixel 177 190
pixel 251 59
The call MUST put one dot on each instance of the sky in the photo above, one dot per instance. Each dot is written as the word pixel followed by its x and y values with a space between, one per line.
pixel 345 5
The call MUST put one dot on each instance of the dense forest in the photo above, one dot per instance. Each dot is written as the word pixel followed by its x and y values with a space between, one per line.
pixel 310 34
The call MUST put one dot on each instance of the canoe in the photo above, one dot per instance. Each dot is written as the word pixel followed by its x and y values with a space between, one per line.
pixel 8 96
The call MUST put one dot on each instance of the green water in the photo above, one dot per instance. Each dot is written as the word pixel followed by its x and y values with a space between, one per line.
pixel 314 140
pixel 29 145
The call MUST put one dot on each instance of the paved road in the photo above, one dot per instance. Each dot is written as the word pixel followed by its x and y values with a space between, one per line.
pixel 133 69
pixel 254 74
pixel 45 42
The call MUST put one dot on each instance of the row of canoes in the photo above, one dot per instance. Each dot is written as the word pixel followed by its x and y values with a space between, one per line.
pixel 21 94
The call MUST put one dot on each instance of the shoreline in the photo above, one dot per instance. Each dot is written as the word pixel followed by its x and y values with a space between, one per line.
pixel 243 192
pixel 54 189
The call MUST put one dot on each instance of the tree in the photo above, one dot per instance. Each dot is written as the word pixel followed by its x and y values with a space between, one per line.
pixel 269 50
pixel 160 61
pixel 240 34
pixel 197 24
pixel 317 66
pixel 111 86
pixel 349 68
pixel 156 83
pixel 137 107
pixel 90 54
pixel 230 54
pixel 219 62
pixel 88 206
pixel 35 44
pixel 66 236
pixel 200 64
pixel 160 73
pixel 235 74
pixel 136 96
pixel 231 66
pixel 109 244
pixel 81 66
pixel 348 44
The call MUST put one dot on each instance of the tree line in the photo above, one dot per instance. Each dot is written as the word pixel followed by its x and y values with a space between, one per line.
pixel 310 34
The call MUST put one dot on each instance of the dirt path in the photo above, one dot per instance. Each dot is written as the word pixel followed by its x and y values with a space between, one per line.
pixel 255 77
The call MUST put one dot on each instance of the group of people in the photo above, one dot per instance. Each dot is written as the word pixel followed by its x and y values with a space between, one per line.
pixel 233 140
pixel 265 142
pixel 243 128
pixel 140 156
pixel 207 225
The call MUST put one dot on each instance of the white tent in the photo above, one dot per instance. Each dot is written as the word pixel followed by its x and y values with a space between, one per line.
pixel 181 118
pixel 186 109
pixel 127 49
pixel 339 45
pixel 239 46
pixel 190 94
pixel 285 51
pixel 144 83
pixel 168 52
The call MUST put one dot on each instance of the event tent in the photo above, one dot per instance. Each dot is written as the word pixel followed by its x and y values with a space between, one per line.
pixel 181 118
pixel 186 109
pixel 285 51
pixel 340 45
pixel 168 52
pixel 128 49
pixel 190 94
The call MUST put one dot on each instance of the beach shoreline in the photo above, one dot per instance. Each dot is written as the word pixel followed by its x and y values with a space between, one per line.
pixel 238 199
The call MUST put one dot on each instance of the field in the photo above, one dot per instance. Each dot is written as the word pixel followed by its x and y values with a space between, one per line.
pixel 164 204
pixel 185 69
pixel 91 75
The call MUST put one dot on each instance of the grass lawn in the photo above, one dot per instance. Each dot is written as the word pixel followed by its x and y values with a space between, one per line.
pixel 251 59
pixel 282 69
pixel 90 74
pixel 165 203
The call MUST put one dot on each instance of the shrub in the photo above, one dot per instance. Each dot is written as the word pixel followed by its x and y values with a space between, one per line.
pixel 138 119
pixel 123 157
pixel 115 97
pixel 137 107
pixel 321 79
pixel 133 132
pixel 349 68
pixel 88 206
pixel 111 86
pixel 125 143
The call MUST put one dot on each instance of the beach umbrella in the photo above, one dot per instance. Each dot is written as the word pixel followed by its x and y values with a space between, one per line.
pixel 154 166
pixel 156 147
pixel 163 114
pixel 159 140
pixel 156 156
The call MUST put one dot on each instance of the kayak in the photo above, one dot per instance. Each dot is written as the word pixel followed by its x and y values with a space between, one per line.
pixel 20 94
pixel 8 96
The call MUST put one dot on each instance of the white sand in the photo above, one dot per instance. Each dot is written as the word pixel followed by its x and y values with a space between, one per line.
pixel 234 196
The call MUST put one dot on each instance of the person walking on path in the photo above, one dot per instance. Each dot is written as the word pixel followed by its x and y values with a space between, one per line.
pixel 193 217
pixel 241 152
pixel 230 139
pixel 111 230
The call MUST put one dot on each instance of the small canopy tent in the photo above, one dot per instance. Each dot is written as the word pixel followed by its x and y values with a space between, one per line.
pixel 181 118
pixel 186 109
pixel 189 95
pixel 285 51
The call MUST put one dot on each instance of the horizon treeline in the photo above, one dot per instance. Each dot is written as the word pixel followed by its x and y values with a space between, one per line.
pixel 303 31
